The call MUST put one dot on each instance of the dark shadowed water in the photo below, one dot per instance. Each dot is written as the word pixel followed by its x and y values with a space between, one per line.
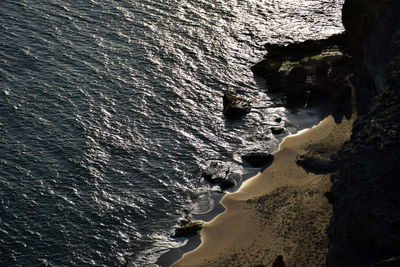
pixel 109 108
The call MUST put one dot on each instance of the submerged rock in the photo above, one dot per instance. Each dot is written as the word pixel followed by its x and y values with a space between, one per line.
pixel 235 107
pixel 258 159
pixel 216 171
pixel 188 228
pixel 231 181
pixel 277 129
pixel 227 183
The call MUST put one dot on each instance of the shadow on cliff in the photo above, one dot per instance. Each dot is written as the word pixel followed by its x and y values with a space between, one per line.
pixel 365 226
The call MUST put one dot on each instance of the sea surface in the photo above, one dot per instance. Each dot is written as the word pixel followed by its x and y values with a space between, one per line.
pixel 109 110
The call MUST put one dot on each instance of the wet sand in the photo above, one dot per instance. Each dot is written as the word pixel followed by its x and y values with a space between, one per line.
pixel 280 211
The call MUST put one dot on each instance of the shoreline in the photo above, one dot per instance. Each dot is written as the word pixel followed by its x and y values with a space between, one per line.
pixel 298 120
pixel 313 220
pixel 261 221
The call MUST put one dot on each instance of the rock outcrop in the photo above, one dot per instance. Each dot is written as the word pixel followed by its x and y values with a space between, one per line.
pixel 277 129
pixel 216 171
pixel 308 70
pixel 188 228
pixel 316 165
pixel 235 107
pixel 228 183
pixel 359 17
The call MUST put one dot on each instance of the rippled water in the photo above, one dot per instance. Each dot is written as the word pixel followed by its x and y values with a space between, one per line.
pixel 109 108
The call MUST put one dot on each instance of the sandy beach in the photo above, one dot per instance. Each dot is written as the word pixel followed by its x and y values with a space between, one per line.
pixel 283 212
pixel 280 211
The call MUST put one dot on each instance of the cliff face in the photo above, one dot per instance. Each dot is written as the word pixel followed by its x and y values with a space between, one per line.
pixel 372 35
pixel 365 226
pixel 359 17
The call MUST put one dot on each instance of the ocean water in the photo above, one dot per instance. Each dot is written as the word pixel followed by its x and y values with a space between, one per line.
pixel 108 110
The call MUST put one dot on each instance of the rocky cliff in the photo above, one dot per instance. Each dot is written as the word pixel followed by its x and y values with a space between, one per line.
pixel 359 17
pixel 365 226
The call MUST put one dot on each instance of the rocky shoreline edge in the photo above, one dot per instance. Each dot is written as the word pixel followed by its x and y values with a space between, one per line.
pixel 363 229
pixel 305 73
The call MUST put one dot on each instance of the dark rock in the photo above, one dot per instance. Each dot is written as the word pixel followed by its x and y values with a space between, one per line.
pixel 392 262
pixel 279 262
pixel 298 75
pixel 341 67
pixel 227 183
pixel 366 206
pixel 316 165
pixel 258 159
pixel 341 92
pixel 271 65
pixel 321 68
pixel 319 77
pixel 188 228
pixel 306 71
pixel 324 87
pixel 183 221
pixel 359 17
pixel 364 190
pixel 269 70
pixel 277 129
pixel 339 60
pixel 216 171
pixel 235 107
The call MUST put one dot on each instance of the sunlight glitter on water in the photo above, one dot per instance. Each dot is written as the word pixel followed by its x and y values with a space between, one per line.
pixel 109 109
